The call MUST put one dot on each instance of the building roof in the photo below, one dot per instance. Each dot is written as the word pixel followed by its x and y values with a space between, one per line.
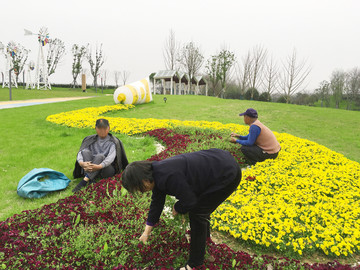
pixel 165 74
pixel 200 80
pixel 177 76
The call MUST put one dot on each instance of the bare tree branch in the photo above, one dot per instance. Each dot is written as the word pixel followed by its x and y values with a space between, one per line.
pixel 294 75
pixel 258 58
pixel 117 77
pixel 270 77
pixel 95 64
pixel 170 52
pixel 191 59
pixel 124 76
pixel 244 72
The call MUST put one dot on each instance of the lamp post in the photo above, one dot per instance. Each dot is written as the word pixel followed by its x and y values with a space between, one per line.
pixel 10 82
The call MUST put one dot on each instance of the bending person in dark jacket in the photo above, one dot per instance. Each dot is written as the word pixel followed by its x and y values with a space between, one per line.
pixel 200 181
pixel 101 155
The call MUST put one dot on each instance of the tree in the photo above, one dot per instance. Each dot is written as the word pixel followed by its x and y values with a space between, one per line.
pixel 55 53
pixel 95 64
pixel 352 87
pixel 117 78
pixel 270 79
pixel 244 73
pixel 218 69
pixel 191 59
pixel 78 57
pixel 293 76
pixel 170 52
pixel 19 59
pixel 212 71
pixel 226 61
pixel 124 76
pixel 257 64
pixel 337 85
pixel 324 93
pixel 103 76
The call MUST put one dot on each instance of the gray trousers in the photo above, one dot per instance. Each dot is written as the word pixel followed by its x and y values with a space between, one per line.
pixel 106 172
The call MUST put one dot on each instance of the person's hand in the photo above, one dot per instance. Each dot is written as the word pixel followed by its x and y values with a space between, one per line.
pixel 84 165
pixel 233 140
pixel 233 134
pixel 174 211
pixel 94 167
pixel 144 237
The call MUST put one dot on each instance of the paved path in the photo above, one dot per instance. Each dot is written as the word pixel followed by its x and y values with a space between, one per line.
pixel 30 102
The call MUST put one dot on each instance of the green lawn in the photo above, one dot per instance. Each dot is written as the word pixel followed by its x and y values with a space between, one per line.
pixel 28 141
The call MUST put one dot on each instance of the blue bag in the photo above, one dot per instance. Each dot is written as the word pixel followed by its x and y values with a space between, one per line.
pixel 39 182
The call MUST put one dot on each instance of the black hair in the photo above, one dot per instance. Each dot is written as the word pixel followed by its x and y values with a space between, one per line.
pixel 101 123
pixel 134 175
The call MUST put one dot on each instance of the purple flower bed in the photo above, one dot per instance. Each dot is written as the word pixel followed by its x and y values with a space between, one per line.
pixel 99 228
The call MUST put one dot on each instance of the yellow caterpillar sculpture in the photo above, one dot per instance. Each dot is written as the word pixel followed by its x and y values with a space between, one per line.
pixel 134 93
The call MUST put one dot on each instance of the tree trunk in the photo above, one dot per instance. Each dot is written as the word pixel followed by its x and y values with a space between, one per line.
pixel 95 84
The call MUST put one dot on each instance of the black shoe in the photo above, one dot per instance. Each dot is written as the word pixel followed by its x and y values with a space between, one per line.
pixel 94 181
pixel 80 186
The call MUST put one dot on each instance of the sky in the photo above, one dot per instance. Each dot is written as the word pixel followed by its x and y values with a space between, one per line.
pixel 325 33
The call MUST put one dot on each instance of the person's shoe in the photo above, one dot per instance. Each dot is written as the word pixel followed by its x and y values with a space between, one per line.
pixel 80 186
pixel 94 181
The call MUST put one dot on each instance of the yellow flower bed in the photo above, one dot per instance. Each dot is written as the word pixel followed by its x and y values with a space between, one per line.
pixel 86 118
pixel 305 200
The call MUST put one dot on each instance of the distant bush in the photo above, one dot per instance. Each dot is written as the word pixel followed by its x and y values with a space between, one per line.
pixel 265 97
pixel 281 99
pixel 255 93
pixel 233 92
pixel 304 99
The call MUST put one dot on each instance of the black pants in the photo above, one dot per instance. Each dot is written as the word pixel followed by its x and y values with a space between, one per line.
pixel 97 159
pixel 255 154
pixel 200 219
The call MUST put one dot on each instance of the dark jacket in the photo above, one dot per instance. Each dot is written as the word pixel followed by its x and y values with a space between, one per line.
pixel 189 176
pixel 119 163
